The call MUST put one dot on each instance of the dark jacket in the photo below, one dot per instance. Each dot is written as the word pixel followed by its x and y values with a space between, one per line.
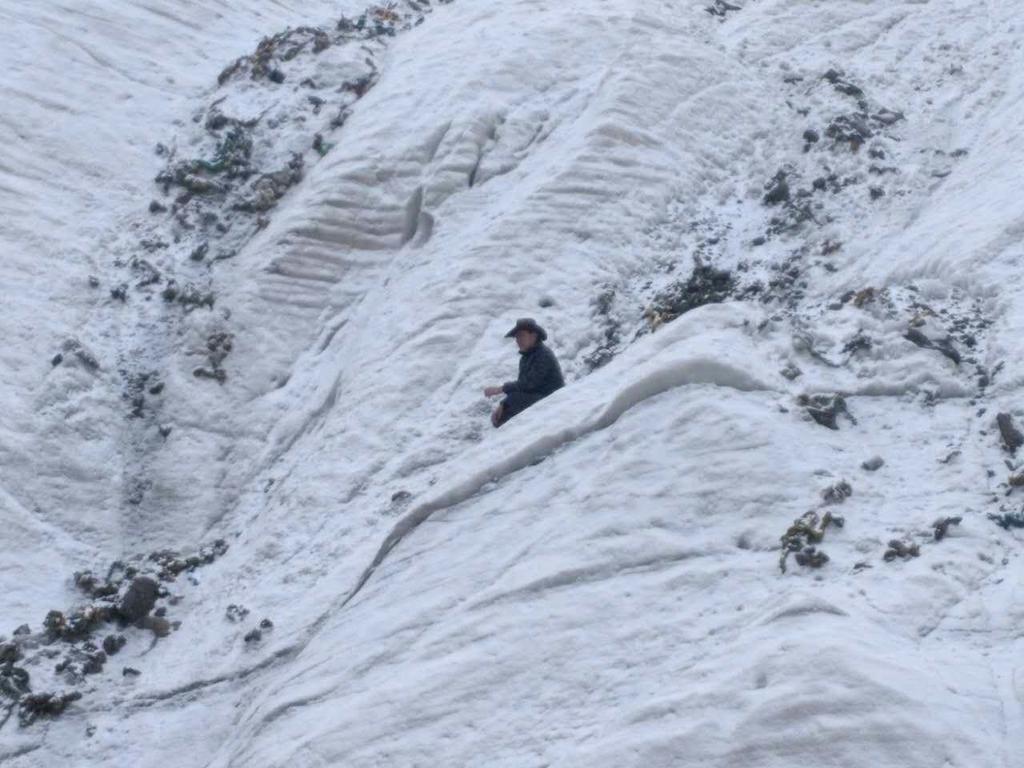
pixel 539 374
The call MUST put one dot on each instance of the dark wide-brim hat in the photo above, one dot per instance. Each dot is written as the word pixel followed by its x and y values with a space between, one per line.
pixel 527 324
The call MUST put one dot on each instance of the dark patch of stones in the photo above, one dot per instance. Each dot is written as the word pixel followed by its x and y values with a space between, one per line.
pixel 236 613
pixel 777 190
pixel 826 409
pixel 842 85
pixel 902 549
pixel 218 347
pixel 837 493
pixel 113 643
pixel 945 346
pixel 610 330
pixel 705 285
pixel 73 349
pixel 1008 520
pixel 851 130
pixel 803 536
pixel 35 705
pixel 127 595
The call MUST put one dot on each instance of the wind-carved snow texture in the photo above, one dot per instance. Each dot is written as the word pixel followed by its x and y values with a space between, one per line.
pixel 777 250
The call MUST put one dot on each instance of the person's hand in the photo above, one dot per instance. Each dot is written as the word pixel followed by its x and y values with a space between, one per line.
pixel 493 391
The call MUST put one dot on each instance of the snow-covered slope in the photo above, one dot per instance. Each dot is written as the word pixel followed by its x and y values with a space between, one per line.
pixel 725 219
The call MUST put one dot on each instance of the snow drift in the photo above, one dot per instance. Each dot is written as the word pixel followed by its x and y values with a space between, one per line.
pixel 742 225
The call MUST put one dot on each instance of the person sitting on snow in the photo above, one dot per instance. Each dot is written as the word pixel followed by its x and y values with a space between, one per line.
pixel 539 373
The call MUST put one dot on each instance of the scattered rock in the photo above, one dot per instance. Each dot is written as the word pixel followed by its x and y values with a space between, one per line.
pixel 155 206
pixel 825 409
pixel 119 292
pixel 130 672
pixel 236 613
pixel 805 532
pixel 849 129
pixel 1012 437
pixel 14 681
pixel 93 663
pixel 9 653
pixel 706 285
pixel 901 549
pixel 945 346
pixel 253 636
pixel 842 85
pixel 93 586
pixel 777 190
pixel 139 600
pixel 266 624
pixel 859 342
pixel 873 464
pixel 720 8
pixel 887 117
pixel 941 526
pixel 811 557
pixel 864 297
pixel 791 372
pixel 158 625
pixel 113 643
pixel 1008 520
pixel 837 493
pixel 36 705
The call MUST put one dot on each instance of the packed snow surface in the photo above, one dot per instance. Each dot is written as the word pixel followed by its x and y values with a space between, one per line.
pixel 742 223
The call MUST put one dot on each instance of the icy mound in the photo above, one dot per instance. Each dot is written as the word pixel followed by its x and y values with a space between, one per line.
pixel 776 246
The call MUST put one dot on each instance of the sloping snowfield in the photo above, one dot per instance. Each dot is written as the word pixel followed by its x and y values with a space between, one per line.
pixel 291 356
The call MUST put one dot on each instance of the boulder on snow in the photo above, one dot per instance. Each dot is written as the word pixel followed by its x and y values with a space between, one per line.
pixel 139 600
pixel 9 652
pixel 873 464
pixel 158 625
pixel 941 526
pixel 1012 437
pixel 113 643
pixel 825 409
pixel 777 190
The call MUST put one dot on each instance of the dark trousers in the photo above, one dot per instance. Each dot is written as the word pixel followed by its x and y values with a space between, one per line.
pixel 514 404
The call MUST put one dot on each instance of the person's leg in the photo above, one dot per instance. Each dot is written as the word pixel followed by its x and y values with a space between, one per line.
pixel 512 405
